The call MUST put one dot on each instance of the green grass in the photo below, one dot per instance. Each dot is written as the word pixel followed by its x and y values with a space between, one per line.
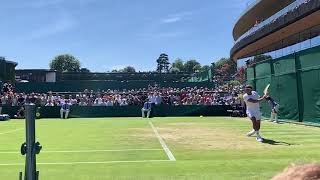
pixel 205 148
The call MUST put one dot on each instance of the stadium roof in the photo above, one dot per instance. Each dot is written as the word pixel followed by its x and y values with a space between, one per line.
pixel 257 11
pixel 291 28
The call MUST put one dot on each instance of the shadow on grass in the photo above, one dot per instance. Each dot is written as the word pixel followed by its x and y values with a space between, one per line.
pixel 276 143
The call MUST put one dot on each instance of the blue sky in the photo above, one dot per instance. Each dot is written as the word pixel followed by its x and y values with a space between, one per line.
pixel 108 34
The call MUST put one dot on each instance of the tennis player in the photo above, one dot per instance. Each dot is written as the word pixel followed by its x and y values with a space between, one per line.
pixel 252 100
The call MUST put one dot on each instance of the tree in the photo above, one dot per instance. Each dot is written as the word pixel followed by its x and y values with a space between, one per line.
pixel 225 69
pixel 197 68
pixel 191 66
pixel 205 68
pixel 213 68
pixel 235 83
pixel 163 63
pixel 179 64
pixel 84 70
pixel 65 63
pixel 174 70
pixel 128 69
pixel 221 62
pixel 241 74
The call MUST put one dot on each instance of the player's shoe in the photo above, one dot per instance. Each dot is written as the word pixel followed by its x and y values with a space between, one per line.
pixel 251 133
pixel 259 138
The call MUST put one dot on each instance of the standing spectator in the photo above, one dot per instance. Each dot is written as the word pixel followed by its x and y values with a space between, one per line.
pixel 158 99
pixel 152 98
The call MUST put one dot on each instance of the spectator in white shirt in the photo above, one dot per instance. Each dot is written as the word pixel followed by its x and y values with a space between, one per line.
pixel 49 103
pixel 109 102
pixel 124 102
pixel 82 102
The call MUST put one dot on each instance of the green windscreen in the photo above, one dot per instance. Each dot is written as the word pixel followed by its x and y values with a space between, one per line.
pixel 260 86
pixel 250 73
pixel 310 58
pixel 285 87
pixel 263 70
pixel 284 65
pixel 295 85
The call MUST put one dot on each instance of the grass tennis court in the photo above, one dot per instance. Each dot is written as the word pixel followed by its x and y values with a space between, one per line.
pixel 129 148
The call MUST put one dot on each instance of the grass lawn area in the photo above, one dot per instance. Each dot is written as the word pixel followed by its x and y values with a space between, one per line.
pixel 128 148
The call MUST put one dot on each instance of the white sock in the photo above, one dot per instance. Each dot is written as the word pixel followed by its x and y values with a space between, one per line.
pixel 276 117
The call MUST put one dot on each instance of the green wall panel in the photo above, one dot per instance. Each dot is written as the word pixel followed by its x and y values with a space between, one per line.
pixel 311 95
pixel 263 70
pixel 284 65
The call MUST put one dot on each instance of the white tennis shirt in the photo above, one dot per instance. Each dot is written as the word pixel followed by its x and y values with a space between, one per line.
pixel 252 106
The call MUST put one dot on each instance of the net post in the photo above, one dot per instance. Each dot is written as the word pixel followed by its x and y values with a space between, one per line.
pixel 30 148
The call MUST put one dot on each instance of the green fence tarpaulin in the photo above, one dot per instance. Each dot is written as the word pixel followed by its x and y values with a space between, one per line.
pixel 295 85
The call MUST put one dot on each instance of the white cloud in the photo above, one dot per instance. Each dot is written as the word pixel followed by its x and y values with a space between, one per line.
pixel 154 30
pixel 171 20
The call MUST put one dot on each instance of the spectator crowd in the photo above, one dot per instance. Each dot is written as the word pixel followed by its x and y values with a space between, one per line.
pixel 224 95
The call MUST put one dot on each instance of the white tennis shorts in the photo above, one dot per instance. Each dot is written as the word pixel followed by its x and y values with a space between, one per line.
pixel 254 113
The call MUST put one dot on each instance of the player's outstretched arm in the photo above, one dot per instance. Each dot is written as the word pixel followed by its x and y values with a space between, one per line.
pixel 257 100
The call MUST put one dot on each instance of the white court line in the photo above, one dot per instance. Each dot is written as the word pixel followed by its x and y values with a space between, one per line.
pixel 87 151
pixel 75 163
pixel 163 144
pixel 11 131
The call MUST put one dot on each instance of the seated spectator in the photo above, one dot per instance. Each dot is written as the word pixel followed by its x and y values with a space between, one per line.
pixel 221 95
pixel 21 99
pixel 82 102
pixel 124 102
pixel 103 103
pixel 65 108
pixel 146 108
pixel 20 114
pixel 109 102
pixel 96 103
pixel 49 103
